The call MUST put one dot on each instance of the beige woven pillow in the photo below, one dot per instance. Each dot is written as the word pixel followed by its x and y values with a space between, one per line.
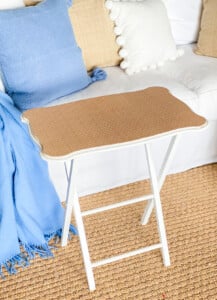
pixel 207 41
pixel 94 32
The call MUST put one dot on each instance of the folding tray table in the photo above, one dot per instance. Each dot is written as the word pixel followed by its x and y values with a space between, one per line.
pixel 106 123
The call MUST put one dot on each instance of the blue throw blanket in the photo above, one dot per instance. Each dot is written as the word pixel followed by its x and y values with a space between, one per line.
pixel 30 211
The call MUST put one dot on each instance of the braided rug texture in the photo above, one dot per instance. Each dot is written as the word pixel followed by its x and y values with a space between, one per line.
pixel 189 202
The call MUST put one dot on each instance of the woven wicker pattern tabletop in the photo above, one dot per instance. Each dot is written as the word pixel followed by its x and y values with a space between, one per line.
pixel 109 120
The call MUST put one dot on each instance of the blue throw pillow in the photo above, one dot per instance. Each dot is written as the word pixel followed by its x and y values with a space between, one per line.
pixel 39 57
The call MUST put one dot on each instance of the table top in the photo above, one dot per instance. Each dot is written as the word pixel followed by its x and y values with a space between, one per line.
pixel 98 123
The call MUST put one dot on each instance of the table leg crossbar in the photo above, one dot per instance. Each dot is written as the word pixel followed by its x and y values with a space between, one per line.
pixel 72 203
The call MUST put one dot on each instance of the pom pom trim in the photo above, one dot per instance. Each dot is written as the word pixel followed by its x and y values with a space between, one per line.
pixel 120 40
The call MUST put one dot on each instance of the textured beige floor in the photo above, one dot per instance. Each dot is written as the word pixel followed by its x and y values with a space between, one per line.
pixel 190 208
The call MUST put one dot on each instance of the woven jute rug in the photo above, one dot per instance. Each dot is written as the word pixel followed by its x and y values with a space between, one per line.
pixel 190 209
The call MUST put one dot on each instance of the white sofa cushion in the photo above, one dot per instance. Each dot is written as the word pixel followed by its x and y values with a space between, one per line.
pixel 199 74
pixel 144 34
pixel 192 78
pixel 119 82
pixel 184 17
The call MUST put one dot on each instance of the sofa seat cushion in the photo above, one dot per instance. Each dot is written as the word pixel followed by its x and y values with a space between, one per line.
pixel 119 82
pixel 199 74
pixel 192 78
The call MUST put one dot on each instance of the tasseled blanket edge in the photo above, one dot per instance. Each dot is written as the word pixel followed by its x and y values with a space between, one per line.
pixel 10 264
pixel 30 251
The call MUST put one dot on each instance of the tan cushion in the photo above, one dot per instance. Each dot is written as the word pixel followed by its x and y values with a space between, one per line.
pixel 94 33
pixel 207 41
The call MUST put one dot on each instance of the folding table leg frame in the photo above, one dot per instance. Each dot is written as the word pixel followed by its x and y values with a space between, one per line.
pixel 72 203
pixel 162 176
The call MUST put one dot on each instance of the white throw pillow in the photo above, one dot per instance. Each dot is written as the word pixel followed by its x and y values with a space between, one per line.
pixel 184 18
pixel 143 31
pixel 8 4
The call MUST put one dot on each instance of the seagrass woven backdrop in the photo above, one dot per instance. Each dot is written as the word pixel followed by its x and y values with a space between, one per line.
pixel 190 208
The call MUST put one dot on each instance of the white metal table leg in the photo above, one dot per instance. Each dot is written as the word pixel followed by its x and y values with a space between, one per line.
pixel 72 202
pixel 69 204
pixel 67 170
pixel 167 160
pixel 158 208
pixel 147 212
pixel 83 243
pixel 161 178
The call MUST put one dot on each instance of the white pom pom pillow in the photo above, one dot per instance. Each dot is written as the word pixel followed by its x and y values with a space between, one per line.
pixel 144 34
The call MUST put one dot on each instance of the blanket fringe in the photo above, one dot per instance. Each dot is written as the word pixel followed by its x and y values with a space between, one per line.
pixel 19 260
pixel 58 234
pixel 43 251
pixel 30 251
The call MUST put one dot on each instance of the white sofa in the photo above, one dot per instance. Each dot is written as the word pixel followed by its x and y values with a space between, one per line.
pixel 191 78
